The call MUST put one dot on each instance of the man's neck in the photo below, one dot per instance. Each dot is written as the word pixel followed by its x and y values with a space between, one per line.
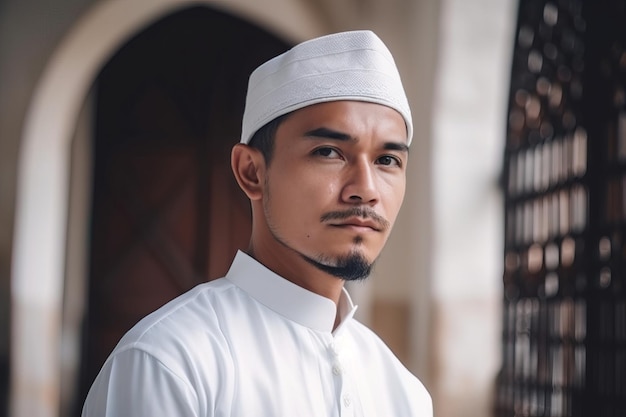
pixel 293 267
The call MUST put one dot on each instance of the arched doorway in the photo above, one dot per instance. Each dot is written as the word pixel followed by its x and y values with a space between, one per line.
pixel 166 212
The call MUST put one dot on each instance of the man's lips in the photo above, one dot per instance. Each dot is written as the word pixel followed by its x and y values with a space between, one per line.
pixel 358 223
pixel 356 217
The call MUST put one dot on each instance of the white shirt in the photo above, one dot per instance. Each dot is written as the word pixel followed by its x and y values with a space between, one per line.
pixel 254 344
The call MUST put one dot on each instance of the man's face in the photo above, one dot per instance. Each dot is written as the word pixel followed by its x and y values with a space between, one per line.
pixel 335 183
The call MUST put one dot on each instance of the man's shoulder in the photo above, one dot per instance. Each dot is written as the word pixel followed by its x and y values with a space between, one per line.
pixel 398 382
pixel 182 342
pixel 185 317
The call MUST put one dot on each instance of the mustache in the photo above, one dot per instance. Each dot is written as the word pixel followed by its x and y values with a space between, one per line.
pixel 363 212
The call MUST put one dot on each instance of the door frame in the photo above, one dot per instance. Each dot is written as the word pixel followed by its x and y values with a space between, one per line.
pixel 42 226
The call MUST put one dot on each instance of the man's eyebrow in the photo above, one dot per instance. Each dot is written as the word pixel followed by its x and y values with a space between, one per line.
pixel 396 146
pixel 324 132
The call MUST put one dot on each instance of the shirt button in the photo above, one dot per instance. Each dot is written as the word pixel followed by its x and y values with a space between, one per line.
pixel 347 401
pixel 337 370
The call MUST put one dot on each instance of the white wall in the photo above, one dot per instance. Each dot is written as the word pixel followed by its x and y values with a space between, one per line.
pixel 471 96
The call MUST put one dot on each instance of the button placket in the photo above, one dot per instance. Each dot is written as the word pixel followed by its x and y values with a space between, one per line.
pixel 339 371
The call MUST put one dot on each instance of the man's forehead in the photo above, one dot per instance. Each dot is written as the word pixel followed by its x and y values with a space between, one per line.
pixel 339 116
pixel 342 121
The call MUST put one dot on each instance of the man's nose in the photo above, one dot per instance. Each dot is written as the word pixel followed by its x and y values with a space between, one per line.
pixel 360 186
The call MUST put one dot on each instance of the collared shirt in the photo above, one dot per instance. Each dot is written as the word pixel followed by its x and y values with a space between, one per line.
pixel 254 344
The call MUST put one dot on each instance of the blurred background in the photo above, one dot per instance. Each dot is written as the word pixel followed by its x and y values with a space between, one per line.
pixel 500 287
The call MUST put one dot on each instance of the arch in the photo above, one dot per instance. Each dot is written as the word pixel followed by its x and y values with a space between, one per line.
pixel 43 181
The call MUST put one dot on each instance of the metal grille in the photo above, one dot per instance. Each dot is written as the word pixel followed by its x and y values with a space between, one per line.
pixel 564 324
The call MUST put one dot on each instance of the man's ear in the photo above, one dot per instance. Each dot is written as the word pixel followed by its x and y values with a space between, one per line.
pixel 248 166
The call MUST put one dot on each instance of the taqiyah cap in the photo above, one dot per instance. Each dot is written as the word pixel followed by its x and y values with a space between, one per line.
pixel 352 65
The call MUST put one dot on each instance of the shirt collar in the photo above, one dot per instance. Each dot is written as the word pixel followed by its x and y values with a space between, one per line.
pixel 288 299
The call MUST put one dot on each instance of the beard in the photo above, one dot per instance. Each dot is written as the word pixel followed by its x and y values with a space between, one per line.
pixel 353 267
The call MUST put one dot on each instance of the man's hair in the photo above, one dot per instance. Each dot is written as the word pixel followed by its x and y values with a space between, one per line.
pixel 263 139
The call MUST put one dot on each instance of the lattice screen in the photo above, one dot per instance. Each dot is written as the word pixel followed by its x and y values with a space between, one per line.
pixel 564 325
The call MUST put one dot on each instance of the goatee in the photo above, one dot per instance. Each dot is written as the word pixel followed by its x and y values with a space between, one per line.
pixel 353 267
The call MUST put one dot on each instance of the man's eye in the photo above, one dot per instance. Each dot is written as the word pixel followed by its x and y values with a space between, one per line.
pixel 389 161
pixel 326 152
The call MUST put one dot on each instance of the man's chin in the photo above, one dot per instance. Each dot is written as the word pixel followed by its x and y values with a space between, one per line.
pixel 351 267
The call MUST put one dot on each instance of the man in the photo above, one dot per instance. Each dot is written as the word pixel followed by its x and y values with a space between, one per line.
pixel 322 158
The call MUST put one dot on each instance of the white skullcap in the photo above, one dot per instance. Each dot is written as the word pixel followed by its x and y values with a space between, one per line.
pixel 344 66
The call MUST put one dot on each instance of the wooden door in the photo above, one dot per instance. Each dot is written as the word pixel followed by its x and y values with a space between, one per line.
pixel 167 213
